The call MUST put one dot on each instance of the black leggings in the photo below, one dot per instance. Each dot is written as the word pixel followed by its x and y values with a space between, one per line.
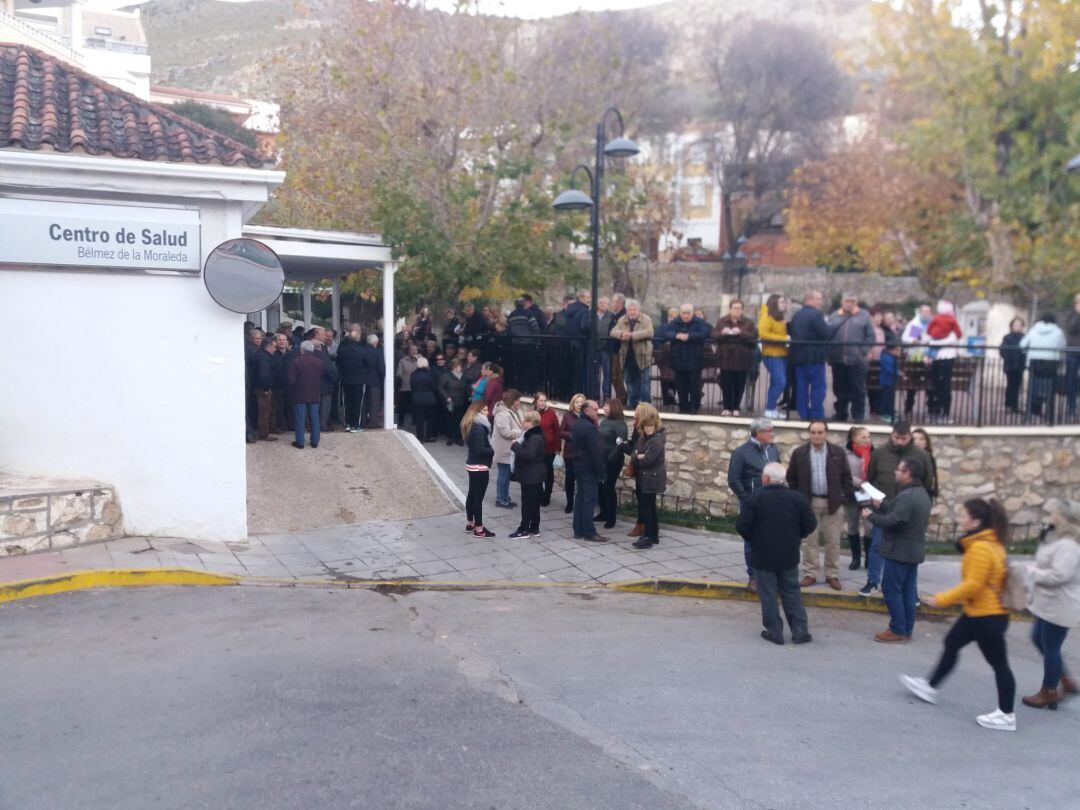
pixel 989 633
pixel 549 479
pixel 474 501
pixel 647 515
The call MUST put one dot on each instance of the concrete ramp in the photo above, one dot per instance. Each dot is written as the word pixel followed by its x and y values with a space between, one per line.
pixel 349 478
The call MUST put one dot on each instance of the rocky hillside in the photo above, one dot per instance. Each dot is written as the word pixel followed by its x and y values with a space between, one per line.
pixel 245 48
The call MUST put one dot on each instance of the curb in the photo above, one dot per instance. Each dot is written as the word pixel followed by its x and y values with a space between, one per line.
pixel 109 578
pixel 690 588
pixel 440 476
pixel 738 592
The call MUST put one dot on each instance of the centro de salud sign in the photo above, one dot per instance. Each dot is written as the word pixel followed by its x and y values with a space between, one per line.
pixel 81 235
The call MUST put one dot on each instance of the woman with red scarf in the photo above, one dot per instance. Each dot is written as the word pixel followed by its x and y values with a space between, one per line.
pixel 858 455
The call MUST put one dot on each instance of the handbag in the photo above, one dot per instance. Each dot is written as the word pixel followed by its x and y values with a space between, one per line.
pixel 558 463
pixel 1014 595
pixel 630 471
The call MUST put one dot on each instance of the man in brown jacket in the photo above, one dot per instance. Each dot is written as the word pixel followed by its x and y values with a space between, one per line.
pixel 819 470
pixel 634 331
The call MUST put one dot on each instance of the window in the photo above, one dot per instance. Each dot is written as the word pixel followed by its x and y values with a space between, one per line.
pixel 697 154
pixel 696 194
pixel 102 31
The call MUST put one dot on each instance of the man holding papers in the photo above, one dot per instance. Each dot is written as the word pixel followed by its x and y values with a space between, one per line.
pixel 902 520
pixel 881 474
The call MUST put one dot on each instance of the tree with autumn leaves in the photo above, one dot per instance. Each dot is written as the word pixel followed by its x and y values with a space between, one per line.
pixel 963 178
pixel 448 132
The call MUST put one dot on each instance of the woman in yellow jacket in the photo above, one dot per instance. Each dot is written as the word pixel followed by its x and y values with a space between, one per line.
pixel 984 619
pixel 773 334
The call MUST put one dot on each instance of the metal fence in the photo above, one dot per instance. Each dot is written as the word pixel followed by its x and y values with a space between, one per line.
pixel 982 386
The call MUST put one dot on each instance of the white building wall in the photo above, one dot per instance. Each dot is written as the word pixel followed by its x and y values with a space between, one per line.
pixel 134 380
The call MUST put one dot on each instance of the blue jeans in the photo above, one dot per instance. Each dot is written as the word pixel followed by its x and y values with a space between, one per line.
pixel 310 411
pixel 1048 638
pixel 900 586
pixel 502 484
pixel 638 382
pixel 777 368
pixel 874 560
pixel 810 391
pixel 588 488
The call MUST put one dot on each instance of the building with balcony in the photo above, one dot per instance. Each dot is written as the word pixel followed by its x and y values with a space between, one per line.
pixel 110 45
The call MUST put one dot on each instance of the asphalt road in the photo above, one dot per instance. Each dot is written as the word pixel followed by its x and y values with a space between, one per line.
pixel 250 697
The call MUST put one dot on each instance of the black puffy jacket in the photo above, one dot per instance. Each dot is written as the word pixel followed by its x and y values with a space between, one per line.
pixel 529 466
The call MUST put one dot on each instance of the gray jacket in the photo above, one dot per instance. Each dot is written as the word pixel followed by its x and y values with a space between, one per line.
pixel 857 331
pixel 903 520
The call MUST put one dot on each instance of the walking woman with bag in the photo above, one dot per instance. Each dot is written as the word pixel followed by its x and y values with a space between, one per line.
pixel 1055 603
pixel 613 435
pixel 648 454
pixel 984 619
pixel 476 433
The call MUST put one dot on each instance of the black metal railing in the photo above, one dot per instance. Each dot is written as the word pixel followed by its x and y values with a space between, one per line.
pixel 981 386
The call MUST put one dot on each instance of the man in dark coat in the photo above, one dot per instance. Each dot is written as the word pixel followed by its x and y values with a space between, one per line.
pixel 329 379
pixel 523 328
pixel 902 520
pixel 589 471
pixel 351 365
pixel 577 326
pixel 809 336
pixel 530 471
pixel 262 380
pixel 819 470
pixel 305 385
pixel 687 334
pixel 374 371
pixel 744 474
pixel 881 474
pixel 774 522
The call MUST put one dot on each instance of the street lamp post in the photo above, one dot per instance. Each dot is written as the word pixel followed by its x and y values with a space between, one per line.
pixel 736 263
pixel 574 200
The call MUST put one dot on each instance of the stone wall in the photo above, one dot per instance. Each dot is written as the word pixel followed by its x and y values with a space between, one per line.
pixel 1035 473
pixel 50 520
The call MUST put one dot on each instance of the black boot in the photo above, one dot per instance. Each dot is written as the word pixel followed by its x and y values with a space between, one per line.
pixel 855 544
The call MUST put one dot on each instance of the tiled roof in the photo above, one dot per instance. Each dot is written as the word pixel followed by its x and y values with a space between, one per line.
pixel 47 103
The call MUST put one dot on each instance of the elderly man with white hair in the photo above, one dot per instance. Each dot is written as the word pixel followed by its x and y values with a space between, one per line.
pixel 687 334
pixel 773 522
pixel 634 330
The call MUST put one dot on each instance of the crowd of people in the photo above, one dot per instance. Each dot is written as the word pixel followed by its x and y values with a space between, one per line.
pixel 308 381
pixel 879 363
pixel 880 497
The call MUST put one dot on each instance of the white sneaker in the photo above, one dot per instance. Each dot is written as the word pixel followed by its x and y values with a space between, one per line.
pixel 920 688
pixel 997 720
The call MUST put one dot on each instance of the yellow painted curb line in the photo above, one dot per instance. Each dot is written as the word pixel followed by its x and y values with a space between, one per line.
pixel 737 591
pixel 109 578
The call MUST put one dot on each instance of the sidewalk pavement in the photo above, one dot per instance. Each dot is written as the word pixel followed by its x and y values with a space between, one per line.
pixel 438 549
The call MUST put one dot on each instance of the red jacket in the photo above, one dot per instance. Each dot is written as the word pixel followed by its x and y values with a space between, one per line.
pixel 568 421
pixel 305 374
pixel 549 423
pixel 940 326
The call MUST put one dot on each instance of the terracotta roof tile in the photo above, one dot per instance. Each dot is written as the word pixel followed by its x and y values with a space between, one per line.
pixel 46 102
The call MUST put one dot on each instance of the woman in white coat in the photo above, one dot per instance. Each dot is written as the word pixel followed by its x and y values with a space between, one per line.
pixel 1055 602
pixel 505 430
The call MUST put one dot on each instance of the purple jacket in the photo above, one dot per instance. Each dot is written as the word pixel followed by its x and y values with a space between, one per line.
pixel 305 374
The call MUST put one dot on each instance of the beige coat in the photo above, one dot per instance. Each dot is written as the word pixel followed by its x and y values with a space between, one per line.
pixel 1055 580
pixel 640 339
